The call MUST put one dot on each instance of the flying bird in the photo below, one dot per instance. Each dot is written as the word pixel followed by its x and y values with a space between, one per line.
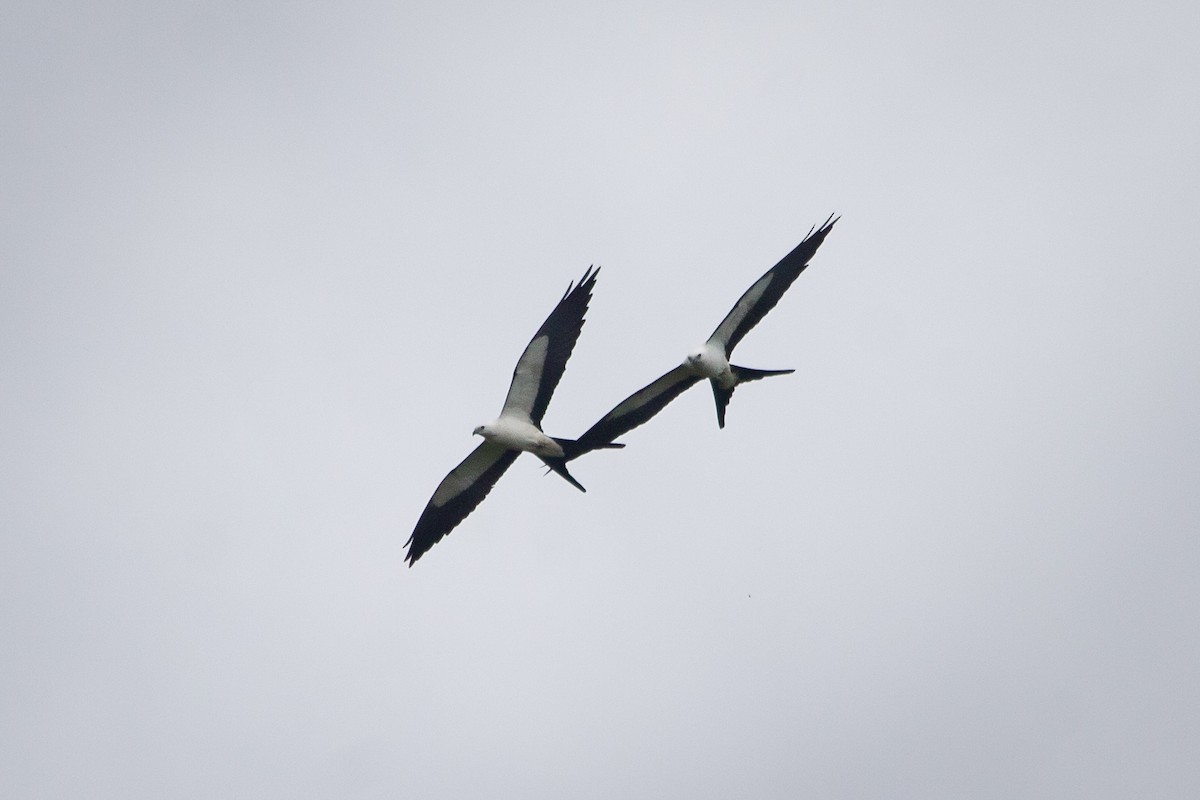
pixel 517 429
pixel 710 360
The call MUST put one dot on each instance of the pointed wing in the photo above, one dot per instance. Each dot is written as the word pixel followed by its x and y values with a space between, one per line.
pixel 541 365
pixel 633 411
pixel 457 496
pixel 766 291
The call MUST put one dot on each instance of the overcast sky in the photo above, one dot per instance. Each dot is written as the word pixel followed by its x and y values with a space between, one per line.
pixel 264 266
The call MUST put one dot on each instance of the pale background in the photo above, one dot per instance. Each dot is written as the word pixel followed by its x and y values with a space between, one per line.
pixel 264 266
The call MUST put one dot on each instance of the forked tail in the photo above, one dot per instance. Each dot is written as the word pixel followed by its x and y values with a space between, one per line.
pixel 573 449
pixel 741 375
pixel 559 465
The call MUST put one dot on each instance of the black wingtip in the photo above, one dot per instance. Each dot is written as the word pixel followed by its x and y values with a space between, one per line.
pixel 824 229
pixel 589 278
pixel 413 553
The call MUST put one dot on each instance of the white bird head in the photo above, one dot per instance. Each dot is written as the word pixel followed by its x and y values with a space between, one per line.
pixel 702 361
pixel 707 360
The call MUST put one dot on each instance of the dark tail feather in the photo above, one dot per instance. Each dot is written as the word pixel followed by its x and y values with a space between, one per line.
pixel 721 396
pixel 744 374
pixel 559 465
pixel 741 375
pixel 573 449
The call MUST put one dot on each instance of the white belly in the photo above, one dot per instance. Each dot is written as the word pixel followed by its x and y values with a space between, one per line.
pixel 520 435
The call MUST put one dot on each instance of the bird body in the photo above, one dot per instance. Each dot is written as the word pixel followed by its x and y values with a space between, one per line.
pixel 709 361
pixel 518 429
pixel 513 433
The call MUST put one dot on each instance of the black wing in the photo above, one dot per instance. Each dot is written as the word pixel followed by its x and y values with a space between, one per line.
pixel 457 496
pixel 631 412
pixel 541 365
pixel 760 298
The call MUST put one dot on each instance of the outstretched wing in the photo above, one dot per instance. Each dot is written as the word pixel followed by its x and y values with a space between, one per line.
pixel 633 411
pixel 766 291
pixel 541 365
pixel 457 496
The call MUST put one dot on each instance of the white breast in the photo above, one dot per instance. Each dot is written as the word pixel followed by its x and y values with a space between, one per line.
pixel 517 434
pixel 708 361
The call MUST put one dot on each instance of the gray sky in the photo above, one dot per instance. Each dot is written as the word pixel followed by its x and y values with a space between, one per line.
pixel 265 266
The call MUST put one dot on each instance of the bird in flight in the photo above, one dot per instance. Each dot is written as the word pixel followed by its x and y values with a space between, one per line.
pixel 710 360
pixel 517 429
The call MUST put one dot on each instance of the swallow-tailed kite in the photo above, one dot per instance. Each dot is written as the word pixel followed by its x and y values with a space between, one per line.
pixel 517 428
pixel 711 360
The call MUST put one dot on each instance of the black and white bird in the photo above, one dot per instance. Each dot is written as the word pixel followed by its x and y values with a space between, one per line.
pixel 517 429
pixel 710 360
